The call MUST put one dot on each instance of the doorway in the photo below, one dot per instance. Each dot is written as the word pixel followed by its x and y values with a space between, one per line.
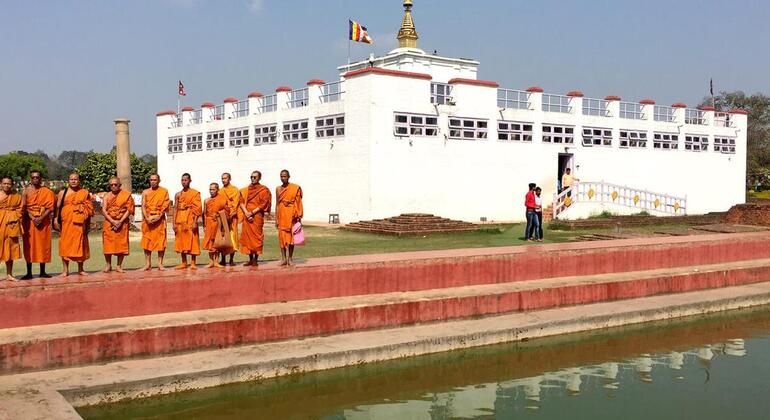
pixel 566 160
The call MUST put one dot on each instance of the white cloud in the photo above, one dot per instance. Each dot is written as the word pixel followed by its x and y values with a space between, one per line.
pixel 256 5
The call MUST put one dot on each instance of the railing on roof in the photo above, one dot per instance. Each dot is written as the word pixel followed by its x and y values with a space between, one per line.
pixel 440 93
pixel 218 113
pixel 241 109
pixel 722 119
pixel 177 121
pixel 663 113
pixel 631 110
pixel 556 103
pixel 197 117
pixel 513 99
pixel 299 98
pixel 331 92
pixel 268 103
pixel 604 192
pixel 595 107
pixel 694 116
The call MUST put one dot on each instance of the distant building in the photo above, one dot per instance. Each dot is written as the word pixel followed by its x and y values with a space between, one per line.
pixel 417 132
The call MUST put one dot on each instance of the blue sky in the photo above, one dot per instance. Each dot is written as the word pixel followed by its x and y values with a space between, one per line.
pixel 70 67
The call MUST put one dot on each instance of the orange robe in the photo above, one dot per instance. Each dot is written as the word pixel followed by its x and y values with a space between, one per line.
pixel 76 214
pixel 37 239
pixel 188 209
pixel 288 209
pixel 10 227
pixel 252 238
pixel 233 203
pixel 155 203
pixel 116 242
pixel 211 222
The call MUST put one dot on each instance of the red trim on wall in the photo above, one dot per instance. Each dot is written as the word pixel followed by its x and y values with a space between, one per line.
pixel 255 95
pixel 188 109
pixel 164 113
pixel 315 82
pixel 612 98
pixel 647 102
pixel 207 105
pixel 707 108
pixel 739 111
pixel 230 100
pixel 679 105
pixel 473 82
pixel 535 89
pixel 575 94
pixel 283 89
pixel 387 72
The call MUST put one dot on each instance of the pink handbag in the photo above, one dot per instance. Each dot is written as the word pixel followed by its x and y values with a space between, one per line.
pixel 298 233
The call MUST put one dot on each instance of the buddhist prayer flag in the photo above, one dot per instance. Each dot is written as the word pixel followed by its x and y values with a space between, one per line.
pixel 181 89
pixel 358 33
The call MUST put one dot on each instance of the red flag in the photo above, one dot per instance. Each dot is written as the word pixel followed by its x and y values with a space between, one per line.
pixel 181 89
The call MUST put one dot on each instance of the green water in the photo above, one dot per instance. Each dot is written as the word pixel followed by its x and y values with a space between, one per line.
pixel 708 368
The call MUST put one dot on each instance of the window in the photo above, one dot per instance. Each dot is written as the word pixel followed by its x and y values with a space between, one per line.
pixel 265 134
pixel 295 131
pixel 298 98
pixel 177 121
pixel 175 144
pixel 415 125
pixel 696 143
pixel 724 144
pixel 241 109
pixel 467 129
pixel 197 117
pixel 663 113
pixel 596 107
pixel 665 141
pixel 555 103
pixel 597 136
pixel 239 137
pixel 440 93
pixel 268 103
pixel 722 119
pixel 218 113
pixel 558 134
pixel 195 142
pixel 330 126
pixel 694 116
pixel 514 131
pixel 512 99
pixel 215 140
pixel 633 139
pixel 331 92
pixel 631 110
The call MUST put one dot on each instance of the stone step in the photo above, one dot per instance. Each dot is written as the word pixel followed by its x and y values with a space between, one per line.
pixel 411 223
pixel 137 293
pixel 99 341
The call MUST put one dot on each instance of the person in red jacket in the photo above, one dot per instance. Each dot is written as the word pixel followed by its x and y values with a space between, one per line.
pixel 531 206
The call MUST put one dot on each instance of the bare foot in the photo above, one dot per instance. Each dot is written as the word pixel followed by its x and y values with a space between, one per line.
pixel 193 267
pixel 283 263
pixel 107 269
pixel 146 268
pixel 181 266
pixel 65 274
pixel 11 278
pixel 82 273
pixel 218 265
pixel 210 264
pixel 161 268
pixel 119 269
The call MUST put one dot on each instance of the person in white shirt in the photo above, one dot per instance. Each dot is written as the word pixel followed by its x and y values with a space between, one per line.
pixel 539 213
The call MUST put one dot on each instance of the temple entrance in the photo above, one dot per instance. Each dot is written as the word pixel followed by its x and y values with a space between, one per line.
pixel 566 160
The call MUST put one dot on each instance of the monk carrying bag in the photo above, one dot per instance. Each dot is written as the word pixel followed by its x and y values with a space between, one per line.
pixel 222 240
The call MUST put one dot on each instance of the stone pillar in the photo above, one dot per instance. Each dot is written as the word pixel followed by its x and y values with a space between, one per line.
pixel 123 153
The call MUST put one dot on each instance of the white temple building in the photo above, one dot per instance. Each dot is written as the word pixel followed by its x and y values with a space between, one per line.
pixel 414 132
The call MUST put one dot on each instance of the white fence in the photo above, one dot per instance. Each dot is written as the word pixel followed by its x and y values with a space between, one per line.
pixel 620 195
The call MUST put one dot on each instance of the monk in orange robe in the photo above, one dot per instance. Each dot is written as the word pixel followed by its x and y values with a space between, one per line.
pixel 39 203
pixel 155 204
pixel 212 206
pixel 188 210
pixel 288 211
pixel 73 219
pixel 256 201
pixel 233 202
pixel 10 226
pixel 117 207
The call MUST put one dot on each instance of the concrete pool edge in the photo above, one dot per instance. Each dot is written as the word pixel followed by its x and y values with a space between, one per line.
pixel 55 393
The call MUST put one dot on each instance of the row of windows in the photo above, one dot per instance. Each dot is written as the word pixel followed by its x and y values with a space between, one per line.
pixel 292 131
pixel 473 129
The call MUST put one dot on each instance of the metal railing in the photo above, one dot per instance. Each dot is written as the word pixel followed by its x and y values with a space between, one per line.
pixel 556 103
pixel 218 113
pixel 241 109
pixel 621 195
pixel 631 110
pixel 299 98
pixel 595 107
pixel 694 116
pixel 722 119
pixel 268 103
pixel 513 99
pixel 177 121
pixel 663 113
pixel 197 117
pixel 331 92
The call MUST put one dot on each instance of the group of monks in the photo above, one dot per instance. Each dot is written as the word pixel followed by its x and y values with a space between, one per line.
pixel 30 216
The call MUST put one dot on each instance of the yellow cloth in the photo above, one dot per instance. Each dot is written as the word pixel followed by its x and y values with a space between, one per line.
pixel 567 180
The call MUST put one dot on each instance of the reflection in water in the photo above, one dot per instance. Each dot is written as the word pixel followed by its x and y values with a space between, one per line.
pixel 668 371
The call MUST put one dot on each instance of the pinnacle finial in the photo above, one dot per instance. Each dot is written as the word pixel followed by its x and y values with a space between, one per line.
pixel 407 35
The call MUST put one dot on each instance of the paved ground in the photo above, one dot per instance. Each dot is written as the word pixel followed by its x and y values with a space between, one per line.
pixel 51 394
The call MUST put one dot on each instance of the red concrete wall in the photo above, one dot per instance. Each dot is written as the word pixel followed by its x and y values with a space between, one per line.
pixel 36 305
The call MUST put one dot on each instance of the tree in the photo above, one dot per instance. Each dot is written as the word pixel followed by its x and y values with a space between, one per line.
pixel 758 130
pixel 18 165
pixel 71 159
pixel 98 168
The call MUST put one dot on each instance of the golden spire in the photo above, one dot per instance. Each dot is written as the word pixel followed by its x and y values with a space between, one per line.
pixel 407 35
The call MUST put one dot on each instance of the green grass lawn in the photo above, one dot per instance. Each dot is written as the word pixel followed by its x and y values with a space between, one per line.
pixel 764 195
pixel 329 241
